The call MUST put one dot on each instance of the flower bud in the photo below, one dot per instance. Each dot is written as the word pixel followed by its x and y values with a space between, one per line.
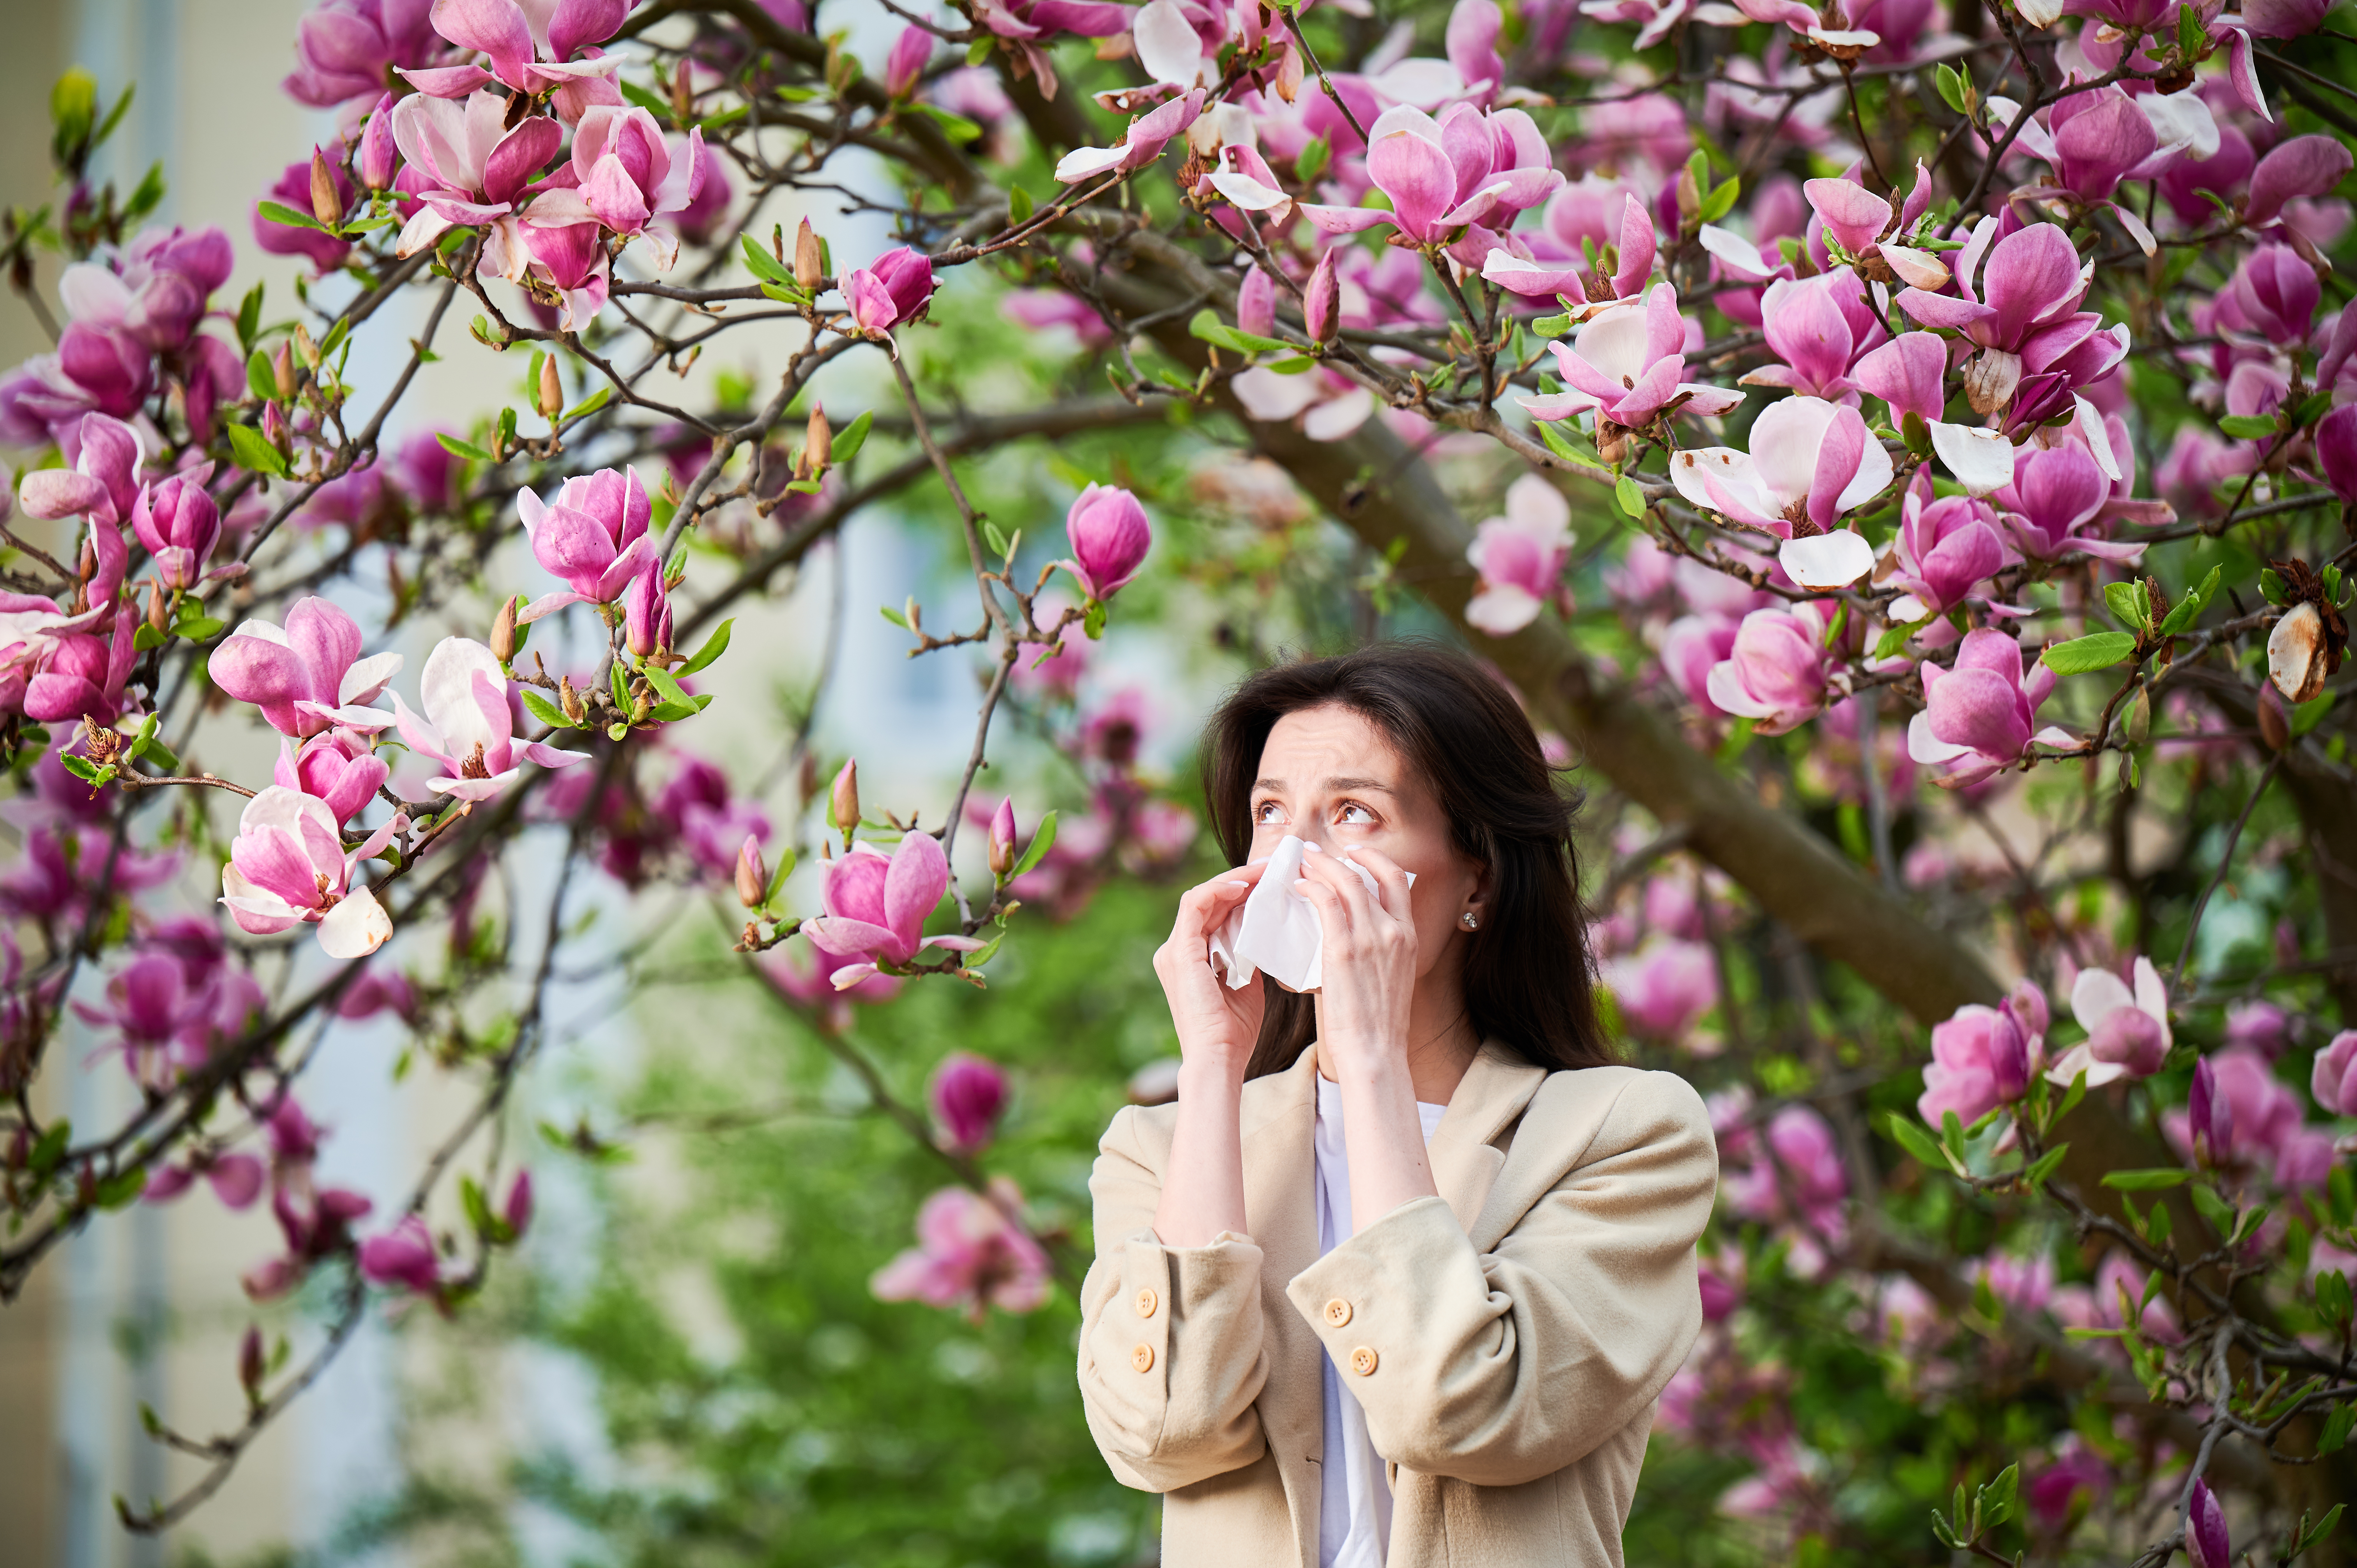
pixel 378 157
pixel 968 1095
pixel 282 369
pixel 1110 537
pixel 844 803
pixel 809 266
pixel 157 617
pixel 1321 301
pixel 2296 654
pixel 1002 838
pixel 2209 1118
pixel 907 61
pixel 2275 719
pixel 518 1211
pixel 326 204
pixel 1990 377
pixel 503 635
pixel 568 701
pixel 1256 304
pixel 253 1363
pixel 2206 1541
pixel 752 875
pixel 818 441
pixel 551 402
pixel 1289 73
pixel 646 611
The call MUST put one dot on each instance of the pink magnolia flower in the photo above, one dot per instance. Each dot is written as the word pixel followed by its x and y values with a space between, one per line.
pixel 894 289
pixel 1805 20
pixel 343 47
pixel 1817 327
pixel 287 868
pixel 2024 310
pixel 646 613
pixel 236 1179
pixel 2333 1079
pixel 1776 672
pixel 1811 463
pixel 1665 988
pixel 1520 557
pixel 1140 146
pixel 310 675
pixel 2241 1114
pixel 968 1094
pixel 2057 497
pixel 593 534
pixel 340 766
pixel 2308 166
pixel 155 290
pixel 2025 1283
pixel 1980 1059
pixel 2277 293
pixel 529 44
pixel 404 1257
pixel 179 525
pixel 969 1253
pixel 164 1024
pixel 1626 363
pixel 1945 548
pixel 376 157
pixel 374 993
pixel 1802 1144
pixel 1109 535
pixel 76 675
pixel 2207 1544
pixel 1691 647
pixel 1858 220
pixel 103 482
pixel 2127 1032
pixel 628 176
pixel 1438 181
pixel 2336 450
pixel 1545 279
pixel 468 726
pixel 1978 717
pixel 906 63
pixel 96 368
pixel 876 907
pixel 713 821
pixel 473 169
pixel 2076 1468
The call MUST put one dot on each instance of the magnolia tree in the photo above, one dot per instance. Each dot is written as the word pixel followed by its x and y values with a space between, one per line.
pixel 1916 451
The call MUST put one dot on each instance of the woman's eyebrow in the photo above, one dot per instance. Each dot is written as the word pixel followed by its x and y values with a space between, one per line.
pixel 1340 785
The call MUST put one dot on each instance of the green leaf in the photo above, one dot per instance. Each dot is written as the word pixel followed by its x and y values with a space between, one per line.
pixel 2124 603
pixel 121 1189
pixel 1896 637
pixel 145 637
pixel 254 452
pixel 850 439
pixel 714 647
pixel 2035 1176
pixel 2099 650
pixel 1020 205
pixel 1917 1142
pixel 546 711
pixel 778 878
pixel 458 449
pixel 994 538
pixel 1312 161
pixel 2248 426
pixel 1552 326
pixel 1951 87
pixel 260 377
pixel 958 127
pixel 1995 1501
pixel 1719 202
pixel 588 405
pixel 666 686
pixel 2335 1437
pixel 279 212
pixel 2075 1093
pixel 1560 444
pixel 619 680
pixel 1631 499
pixel 644 98
pixel 1208 326
pixel 760 264
pixel 249 316
pixel 52 1145
pixel 895 617
pixel 1042 839
pixel 2189 35
pixel 979 50
pixel 2152 1180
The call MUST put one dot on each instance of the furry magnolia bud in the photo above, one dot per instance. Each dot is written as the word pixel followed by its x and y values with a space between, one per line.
pixel 551 401
pixel 503 633
pixel 156 616
pixel 752 874
pixel 568 701
pixel 818 441
pixel 844 803
pixel 253 1363
pixel 809 264
pixel 1002 838
pixel 327 206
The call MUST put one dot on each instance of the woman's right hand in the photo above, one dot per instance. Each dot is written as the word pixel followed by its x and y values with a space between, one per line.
pixel 1218 1026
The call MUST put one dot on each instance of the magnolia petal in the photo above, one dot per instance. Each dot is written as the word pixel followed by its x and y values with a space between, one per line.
pixel 1087 163
pixel 852 974
pixel 1827 560
pixel 424 228
pixel 473 789
pixel 1982 460
pixel 367 720
pixel 549 755
pixel 1924 746
pixel 547 604
pixel 1337 417
pixel 954 944
pixel 1248 193
pixel 356 926
pixel 1344 220
pixel 1918 268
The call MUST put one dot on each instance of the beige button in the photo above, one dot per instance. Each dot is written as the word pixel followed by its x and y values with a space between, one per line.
pixel 1362 1360
pixel 1338 1313
pixel 1146 1303
pixel 1142 1358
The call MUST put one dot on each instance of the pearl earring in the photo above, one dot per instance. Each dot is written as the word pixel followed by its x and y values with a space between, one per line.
pixel 1472 921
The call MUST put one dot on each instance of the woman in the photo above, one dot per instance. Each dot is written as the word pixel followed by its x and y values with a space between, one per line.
pixel 1399 1277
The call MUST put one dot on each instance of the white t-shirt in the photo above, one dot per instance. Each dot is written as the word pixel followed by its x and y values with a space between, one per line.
pixel 1354 1516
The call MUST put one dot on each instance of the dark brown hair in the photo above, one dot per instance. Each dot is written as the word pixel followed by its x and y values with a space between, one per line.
pixel 1529 976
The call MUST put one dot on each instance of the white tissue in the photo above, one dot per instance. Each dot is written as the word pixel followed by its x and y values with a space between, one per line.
pixel 1277 930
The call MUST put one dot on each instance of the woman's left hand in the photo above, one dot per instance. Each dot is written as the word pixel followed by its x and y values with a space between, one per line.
pixel 1369 957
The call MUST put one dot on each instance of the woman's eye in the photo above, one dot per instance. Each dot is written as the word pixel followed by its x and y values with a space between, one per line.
pixel 1267 813
pixel 1357 815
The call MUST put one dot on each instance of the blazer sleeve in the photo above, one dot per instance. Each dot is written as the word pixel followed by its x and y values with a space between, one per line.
pixel 1172 1355
pixel 1500 1367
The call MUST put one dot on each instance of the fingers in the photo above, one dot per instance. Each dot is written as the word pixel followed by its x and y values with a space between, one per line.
pixel 1391 882
pixel 1319 885
pixel 1202 908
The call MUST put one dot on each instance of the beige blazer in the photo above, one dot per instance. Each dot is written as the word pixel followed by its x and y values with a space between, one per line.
pixel 1507 1339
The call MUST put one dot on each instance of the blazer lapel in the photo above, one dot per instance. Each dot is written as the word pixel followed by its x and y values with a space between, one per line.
pixel 1279 1123
pixel 1465 1163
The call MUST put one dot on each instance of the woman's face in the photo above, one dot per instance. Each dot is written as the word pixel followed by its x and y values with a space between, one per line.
pixel 1329 776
